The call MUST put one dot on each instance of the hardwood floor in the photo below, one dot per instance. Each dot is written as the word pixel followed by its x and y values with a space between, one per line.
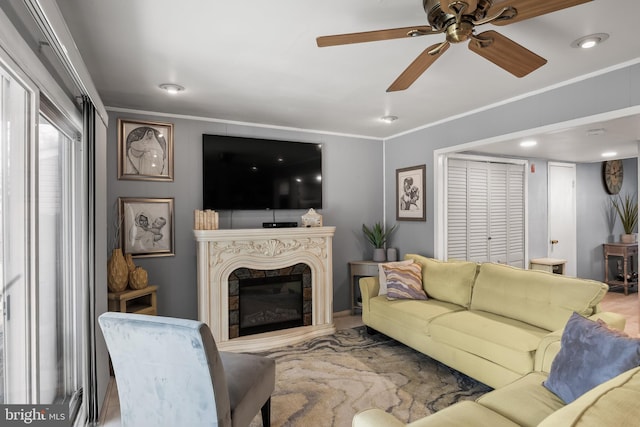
pixel 627 305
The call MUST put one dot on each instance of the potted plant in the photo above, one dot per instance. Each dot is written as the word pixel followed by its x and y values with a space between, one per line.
pixel 377 236
pixel 627 210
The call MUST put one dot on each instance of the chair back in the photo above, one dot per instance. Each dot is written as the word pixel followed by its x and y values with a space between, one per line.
pixel 168 371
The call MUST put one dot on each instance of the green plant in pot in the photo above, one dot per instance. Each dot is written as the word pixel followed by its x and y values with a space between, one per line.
pixel 627 209
pixel 377 236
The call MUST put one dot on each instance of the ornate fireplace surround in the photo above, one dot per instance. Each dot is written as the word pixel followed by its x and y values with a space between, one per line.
pixel 220 252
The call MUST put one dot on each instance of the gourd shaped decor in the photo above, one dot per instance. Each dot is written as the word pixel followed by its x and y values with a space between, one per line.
pixel 130 265
pixel 138 278
pixel 117 271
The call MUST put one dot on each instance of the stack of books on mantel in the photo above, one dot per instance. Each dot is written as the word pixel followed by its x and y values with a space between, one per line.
pixel 205 220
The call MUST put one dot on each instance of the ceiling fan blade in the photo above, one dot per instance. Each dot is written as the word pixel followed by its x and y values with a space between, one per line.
pixel 418 66
pixel 505 53
pixel 530 8
pixel 372 36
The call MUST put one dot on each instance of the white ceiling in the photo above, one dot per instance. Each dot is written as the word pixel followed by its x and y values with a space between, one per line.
pixel 256 61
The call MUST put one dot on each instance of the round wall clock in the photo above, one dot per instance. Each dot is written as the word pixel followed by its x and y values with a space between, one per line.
pixel 612 174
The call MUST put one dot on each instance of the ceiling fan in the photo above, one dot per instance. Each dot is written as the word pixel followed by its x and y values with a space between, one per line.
pixel 457 19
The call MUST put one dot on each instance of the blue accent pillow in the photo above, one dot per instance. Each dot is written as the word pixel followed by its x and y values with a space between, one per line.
pixel 590 354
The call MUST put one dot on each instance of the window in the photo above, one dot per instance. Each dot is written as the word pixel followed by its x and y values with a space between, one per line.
pixel 41 241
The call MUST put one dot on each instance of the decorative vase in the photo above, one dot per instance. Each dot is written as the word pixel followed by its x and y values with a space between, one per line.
pixel 379 255
pixel 628 238
pixel 130 265
pixel 117 272
pixel 392 254
pixel 138 278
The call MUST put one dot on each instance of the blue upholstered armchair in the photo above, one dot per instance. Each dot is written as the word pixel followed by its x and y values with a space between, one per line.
pixel 170 373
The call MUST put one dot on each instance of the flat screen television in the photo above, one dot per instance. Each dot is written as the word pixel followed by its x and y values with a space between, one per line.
pixel 253 174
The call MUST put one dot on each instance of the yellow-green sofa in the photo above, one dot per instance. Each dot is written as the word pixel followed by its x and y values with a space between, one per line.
pixel 526 403
pixel 502 326
pixel 492 322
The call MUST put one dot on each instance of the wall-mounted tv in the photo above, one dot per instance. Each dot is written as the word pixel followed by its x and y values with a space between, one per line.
pixel 252 174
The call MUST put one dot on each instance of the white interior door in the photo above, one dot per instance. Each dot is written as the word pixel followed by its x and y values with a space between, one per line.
pixel 561 214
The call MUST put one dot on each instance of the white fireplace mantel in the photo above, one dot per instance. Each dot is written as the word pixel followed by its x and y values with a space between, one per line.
pixel 220 252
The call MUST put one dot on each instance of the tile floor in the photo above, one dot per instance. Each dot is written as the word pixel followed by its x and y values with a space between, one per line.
pixel 616 301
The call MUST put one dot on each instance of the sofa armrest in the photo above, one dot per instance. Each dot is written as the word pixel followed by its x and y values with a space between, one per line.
pixel 548 349
pixel 369 288
pixel 376 418
pixel 615 320
pixel 549 346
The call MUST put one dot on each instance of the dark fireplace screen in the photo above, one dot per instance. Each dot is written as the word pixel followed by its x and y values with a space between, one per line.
pixel 270 303
pixel 269 300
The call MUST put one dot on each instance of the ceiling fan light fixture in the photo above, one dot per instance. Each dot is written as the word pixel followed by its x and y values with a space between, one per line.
pixel 589 41
pixel 171 88
pixel 388 119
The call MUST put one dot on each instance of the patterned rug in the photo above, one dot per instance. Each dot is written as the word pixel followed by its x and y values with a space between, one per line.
pixel 327 380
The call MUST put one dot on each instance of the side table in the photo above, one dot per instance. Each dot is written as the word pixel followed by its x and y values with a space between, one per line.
pixel 626 251
pixel 359 269
pixel 139 301
pixel 552 265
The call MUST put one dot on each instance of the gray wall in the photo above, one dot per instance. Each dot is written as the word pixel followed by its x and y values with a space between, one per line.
pixel 594 227
pixel 612 91
pixel 352 186
pixel 353 183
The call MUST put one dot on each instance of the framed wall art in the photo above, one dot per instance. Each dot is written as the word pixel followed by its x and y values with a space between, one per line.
pixel 145 150
pixel 410 197
pixel 146 226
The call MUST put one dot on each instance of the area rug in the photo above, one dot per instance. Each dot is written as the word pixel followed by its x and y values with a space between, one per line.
pixel 327 380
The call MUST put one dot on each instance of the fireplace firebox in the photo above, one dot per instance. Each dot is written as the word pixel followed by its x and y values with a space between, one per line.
pixel 270 303
pixel 269 300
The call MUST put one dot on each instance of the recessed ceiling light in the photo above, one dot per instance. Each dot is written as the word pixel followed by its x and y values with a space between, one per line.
pixel 389 119
pixel 171 88
pixel 589 41
pixel 528 143
pixel 609 154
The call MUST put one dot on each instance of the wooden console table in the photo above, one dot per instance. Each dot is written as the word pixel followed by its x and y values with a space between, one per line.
pixel 626 251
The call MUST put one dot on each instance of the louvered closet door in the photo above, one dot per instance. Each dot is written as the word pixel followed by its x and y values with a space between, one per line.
pixel 485 212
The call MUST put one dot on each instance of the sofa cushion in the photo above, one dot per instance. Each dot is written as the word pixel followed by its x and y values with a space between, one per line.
pixel 590 354
pixel 504 341
pixel 404 281
pixel 537 297
pixel 613 403
pixel 524 401
pixel 447 281
pixel 461 414
pixel 382 277
pixel 414 315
